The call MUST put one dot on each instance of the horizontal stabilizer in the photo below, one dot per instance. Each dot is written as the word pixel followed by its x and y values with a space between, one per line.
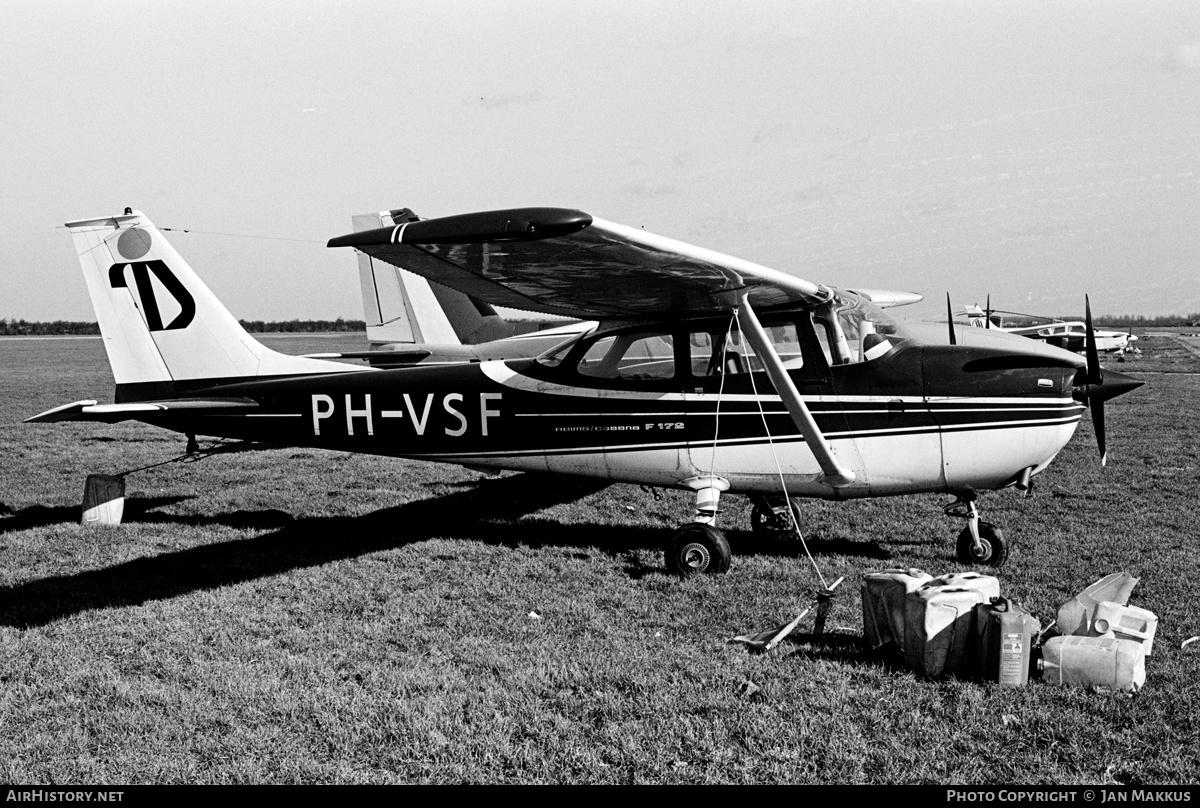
pixel 379 358
pixel 89 410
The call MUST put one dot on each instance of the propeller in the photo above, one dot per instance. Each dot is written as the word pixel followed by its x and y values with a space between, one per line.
pixel 987 312
pixel 1097 386
pixel 950 320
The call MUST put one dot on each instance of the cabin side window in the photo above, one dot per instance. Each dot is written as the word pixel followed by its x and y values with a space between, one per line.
pixel 721 358
pixel 639 356
pixel 715 352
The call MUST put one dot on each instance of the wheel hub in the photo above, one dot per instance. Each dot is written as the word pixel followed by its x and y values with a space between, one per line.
pixel 696 556
pixel 981 550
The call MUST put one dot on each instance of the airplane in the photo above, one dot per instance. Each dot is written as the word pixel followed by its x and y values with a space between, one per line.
pixel 1068 334
pixel 411 320
pixel 706 373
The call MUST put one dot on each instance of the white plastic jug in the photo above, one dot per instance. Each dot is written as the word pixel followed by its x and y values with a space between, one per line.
pixel 1125 623
pixel 1100 663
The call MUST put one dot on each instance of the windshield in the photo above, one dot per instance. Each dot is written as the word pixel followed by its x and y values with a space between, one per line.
pixel 851 329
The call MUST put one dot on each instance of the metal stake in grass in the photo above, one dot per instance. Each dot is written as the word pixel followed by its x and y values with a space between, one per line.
pixel 764 641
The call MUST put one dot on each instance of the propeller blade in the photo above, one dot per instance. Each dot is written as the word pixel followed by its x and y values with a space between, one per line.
pixel 1094 374
pixel 950 320
pixel 987 313
pixel 1096 404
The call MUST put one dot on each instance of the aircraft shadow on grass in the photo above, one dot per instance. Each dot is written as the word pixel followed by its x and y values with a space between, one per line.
pixel 490 511
pixel 136 510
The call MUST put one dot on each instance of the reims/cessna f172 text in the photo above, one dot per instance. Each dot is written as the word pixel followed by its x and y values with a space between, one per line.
pixel 705 372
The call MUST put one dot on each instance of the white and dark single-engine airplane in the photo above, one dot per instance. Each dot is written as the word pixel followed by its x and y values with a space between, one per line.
pixel 1069 334
pixel 704 372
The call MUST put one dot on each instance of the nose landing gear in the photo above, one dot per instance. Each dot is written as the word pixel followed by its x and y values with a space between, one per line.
pixel 698 547
pixel 980 542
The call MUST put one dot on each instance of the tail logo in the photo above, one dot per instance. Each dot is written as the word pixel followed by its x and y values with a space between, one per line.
pixel 142 271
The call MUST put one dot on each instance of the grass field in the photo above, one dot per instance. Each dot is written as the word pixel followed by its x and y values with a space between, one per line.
pixel 296 616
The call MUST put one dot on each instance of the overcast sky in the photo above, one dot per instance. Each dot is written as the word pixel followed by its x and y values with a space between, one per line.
pixel 1030 150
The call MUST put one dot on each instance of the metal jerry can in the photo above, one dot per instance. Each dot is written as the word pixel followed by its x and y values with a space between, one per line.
pixel 1005 632
pixel 939 623
pixel 883 595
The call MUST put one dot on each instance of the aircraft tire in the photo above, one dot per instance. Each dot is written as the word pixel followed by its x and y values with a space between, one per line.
pixel 773 525
pixel 995 548
pixel 698 549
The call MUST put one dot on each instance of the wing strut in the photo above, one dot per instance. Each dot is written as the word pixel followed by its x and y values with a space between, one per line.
pixel 835 474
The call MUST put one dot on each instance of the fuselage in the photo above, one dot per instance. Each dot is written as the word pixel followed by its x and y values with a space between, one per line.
pixel 907 416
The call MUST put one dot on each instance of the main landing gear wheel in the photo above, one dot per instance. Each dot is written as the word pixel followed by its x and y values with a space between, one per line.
pixel 698 549
pixel 774 523
pixel 993 549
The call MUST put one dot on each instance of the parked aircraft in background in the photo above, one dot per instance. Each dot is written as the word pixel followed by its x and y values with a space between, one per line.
pixel 704 372
pixel 1068 334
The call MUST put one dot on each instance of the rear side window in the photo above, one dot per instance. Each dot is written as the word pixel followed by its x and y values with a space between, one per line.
pixel 630 357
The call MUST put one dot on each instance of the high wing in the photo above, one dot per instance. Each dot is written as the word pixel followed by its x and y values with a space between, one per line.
pixel 569 263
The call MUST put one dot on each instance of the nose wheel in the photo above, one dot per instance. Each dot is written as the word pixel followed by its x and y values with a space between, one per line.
pixel 980 542
pixel 990 549
pixel 698 549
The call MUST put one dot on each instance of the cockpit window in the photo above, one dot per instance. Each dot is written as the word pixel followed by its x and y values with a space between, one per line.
pixel 711 354
pixel 630 356
pixel 850 330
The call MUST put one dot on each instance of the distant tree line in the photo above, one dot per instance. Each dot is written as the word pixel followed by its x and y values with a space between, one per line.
pixel 302 326
pixel 15 328
pixel 1134 321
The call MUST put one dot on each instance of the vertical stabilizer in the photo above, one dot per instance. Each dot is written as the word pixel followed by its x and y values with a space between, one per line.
pixel 401 307
pixel 160 323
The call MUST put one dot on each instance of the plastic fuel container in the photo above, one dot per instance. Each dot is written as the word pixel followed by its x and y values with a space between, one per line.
pixel 1125 623
pixel 103 500
pixel 883 595
pixel 939 623
pixel 1100 663
pixel 1005 631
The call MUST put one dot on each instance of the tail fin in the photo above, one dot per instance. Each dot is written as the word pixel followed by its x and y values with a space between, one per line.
pixel 400 306
pixel 161 324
